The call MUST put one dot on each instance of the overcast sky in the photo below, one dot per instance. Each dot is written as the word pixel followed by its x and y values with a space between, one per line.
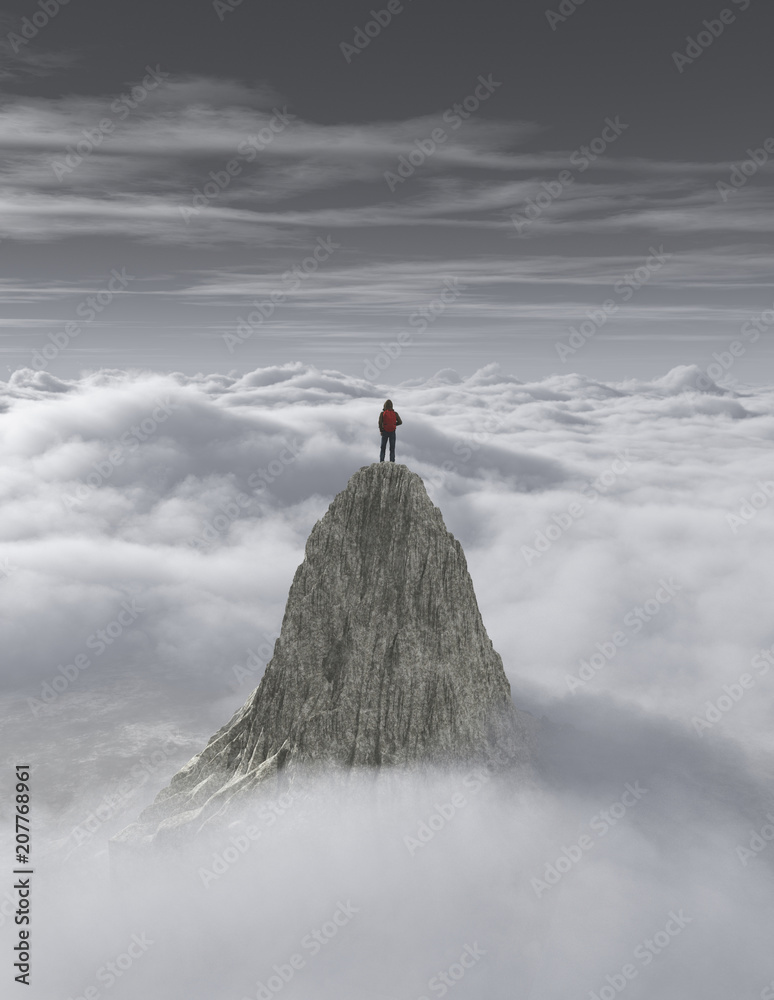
pixel 536 232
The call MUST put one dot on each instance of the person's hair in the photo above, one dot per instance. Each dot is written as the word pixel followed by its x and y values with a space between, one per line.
pixel 388 404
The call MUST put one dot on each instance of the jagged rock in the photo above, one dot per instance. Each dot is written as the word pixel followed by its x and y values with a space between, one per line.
pixel 382 661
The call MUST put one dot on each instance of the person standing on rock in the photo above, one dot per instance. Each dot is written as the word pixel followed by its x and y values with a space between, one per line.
pixel 388 421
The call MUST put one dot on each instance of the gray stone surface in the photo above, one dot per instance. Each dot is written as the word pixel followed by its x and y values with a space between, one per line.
pixel 383 660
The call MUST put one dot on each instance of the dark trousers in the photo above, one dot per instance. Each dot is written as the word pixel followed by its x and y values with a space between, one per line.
pixel 388 436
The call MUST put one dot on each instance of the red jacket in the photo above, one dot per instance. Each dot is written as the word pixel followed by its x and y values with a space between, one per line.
pixel 388 421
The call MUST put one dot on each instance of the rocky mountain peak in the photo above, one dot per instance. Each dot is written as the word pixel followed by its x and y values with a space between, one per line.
pixel 382 661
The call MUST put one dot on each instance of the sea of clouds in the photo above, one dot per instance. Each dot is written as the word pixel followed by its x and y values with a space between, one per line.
pixel 619 539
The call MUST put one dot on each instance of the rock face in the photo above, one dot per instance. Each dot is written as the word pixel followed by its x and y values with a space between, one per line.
pixel 383 660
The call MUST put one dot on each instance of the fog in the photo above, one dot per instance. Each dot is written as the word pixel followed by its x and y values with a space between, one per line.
pixel 618 537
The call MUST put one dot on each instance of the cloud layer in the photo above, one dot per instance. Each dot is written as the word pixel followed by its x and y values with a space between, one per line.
pixel 618 538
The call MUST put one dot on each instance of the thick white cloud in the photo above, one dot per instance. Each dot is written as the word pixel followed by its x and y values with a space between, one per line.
pixel 137 532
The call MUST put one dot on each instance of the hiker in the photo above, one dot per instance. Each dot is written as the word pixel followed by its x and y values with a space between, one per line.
pixel 388 421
